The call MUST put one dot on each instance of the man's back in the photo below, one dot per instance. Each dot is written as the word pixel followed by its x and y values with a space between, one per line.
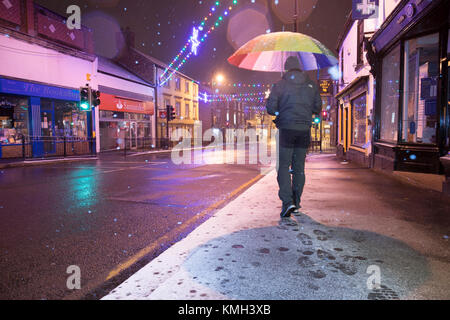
pixel 294 99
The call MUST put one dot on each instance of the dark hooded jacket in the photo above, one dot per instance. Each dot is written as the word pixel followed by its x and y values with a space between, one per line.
pixel 295 98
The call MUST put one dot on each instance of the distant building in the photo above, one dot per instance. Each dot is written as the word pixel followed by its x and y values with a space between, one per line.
pixel 43 64
pixel 127 109
pixel 356 89
pixel 180 91
pixel 207 111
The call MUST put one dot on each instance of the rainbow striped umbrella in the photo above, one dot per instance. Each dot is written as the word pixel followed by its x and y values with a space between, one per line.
pixel 268 52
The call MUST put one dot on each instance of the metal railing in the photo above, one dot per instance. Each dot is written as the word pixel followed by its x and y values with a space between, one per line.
pixel 150 144
pixel 29 147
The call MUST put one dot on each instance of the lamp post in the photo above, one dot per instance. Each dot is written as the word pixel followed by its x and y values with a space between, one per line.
pixel 218 79
pixel 295 15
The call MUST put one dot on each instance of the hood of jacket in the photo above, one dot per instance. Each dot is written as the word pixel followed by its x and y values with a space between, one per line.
pixel 295 77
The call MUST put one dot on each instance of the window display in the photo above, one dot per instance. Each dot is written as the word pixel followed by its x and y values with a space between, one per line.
pixel 13 119
pixel 69 120
pixel 62 119
pixel 421 73
pixel 359 109
pixel 390 97
pixel 120 128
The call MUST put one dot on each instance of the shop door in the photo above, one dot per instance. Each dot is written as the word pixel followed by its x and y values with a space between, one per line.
pixel 47 138
pixel 346 130
pixel 133 135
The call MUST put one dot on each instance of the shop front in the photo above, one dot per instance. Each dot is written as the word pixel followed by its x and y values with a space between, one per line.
pixel 125 123
pixel 38 120
pixel 412 128
pixel 354 129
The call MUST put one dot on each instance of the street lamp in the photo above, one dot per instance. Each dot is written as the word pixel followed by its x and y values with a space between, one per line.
pixel 220 78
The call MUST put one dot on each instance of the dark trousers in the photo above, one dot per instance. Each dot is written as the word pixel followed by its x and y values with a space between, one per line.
pixel 293 147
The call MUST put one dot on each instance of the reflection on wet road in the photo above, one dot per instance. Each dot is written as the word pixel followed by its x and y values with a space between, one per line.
pixel 99 215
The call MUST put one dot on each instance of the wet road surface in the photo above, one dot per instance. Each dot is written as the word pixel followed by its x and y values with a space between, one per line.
pixel 108 217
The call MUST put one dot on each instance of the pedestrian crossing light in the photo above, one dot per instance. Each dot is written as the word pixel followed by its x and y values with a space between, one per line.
pixel 85 104
pixel 316 120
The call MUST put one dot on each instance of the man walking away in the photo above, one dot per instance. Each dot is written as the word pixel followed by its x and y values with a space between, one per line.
pixel 293 100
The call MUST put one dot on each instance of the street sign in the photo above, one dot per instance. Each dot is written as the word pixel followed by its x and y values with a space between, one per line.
pixel 365 9
pixel 326 86
pixel 163 114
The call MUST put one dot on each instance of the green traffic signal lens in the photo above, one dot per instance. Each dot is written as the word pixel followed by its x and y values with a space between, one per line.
pixel 84 106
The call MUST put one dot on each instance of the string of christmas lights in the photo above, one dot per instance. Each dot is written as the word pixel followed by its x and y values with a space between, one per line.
pixel 195 42
pixel 242 85
pixel 261 99
pixel 184 48
pixel 255 108
pixel 233 95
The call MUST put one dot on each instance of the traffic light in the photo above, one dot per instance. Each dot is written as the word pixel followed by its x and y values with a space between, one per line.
pixel 171 115
pixel 325 115
pixel 85 103
pixel 95 98
pixel 316 119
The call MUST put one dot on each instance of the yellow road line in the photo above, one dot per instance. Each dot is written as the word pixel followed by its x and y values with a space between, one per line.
pixel 143 252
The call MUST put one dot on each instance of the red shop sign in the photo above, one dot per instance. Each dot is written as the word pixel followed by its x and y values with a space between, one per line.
pixel 114 103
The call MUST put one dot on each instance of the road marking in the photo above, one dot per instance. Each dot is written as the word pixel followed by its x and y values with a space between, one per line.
pixel 145 251
pixel 138 162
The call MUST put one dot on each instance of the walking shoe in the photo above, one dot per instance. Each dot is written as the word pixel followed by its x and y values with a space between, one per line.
pixel 297 210
pixel 286 211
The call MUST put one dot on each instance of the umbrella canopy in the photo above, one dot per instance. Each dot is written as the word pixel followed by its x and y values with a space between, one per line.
pixel 268 52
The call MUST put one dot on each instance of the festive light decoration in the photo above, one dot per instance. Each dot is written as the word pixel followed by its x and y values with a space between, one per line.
pixel 194 41
pixel 243 99
pixel 240 85
pixel 183 56
pixel 247 97
pixel 233 95
pixel 255 108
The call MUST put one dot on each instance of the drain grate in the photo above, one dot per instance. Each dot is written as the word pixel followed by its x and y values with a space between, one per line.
pixel 384 293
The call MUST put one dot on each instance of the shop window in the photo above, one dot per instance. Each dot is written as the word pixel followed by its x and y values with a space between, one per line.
pixel 13 119
pixel 360 44
pixel 166 103
pixel 341 122
pixel 113 134
pixel 186 111
pixel 167 84
pixel 359 111
pixel 341 76
pixel 421 73
pixel 195 111
pixel 390 96
pixel 178 109
pixel 69 121
pixel 448 87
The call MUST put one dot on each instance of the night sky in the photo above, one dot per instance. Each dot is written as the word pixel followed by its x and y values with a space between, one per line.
pixel 162 27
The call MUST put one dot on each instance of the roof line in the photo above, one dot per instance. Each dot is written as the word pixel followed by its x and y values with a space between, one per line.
pixel 162 64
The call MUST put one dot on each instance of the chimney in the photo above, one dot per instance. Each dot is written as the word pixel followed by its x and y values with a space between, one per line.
pixel 29 18
pixel 129 38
